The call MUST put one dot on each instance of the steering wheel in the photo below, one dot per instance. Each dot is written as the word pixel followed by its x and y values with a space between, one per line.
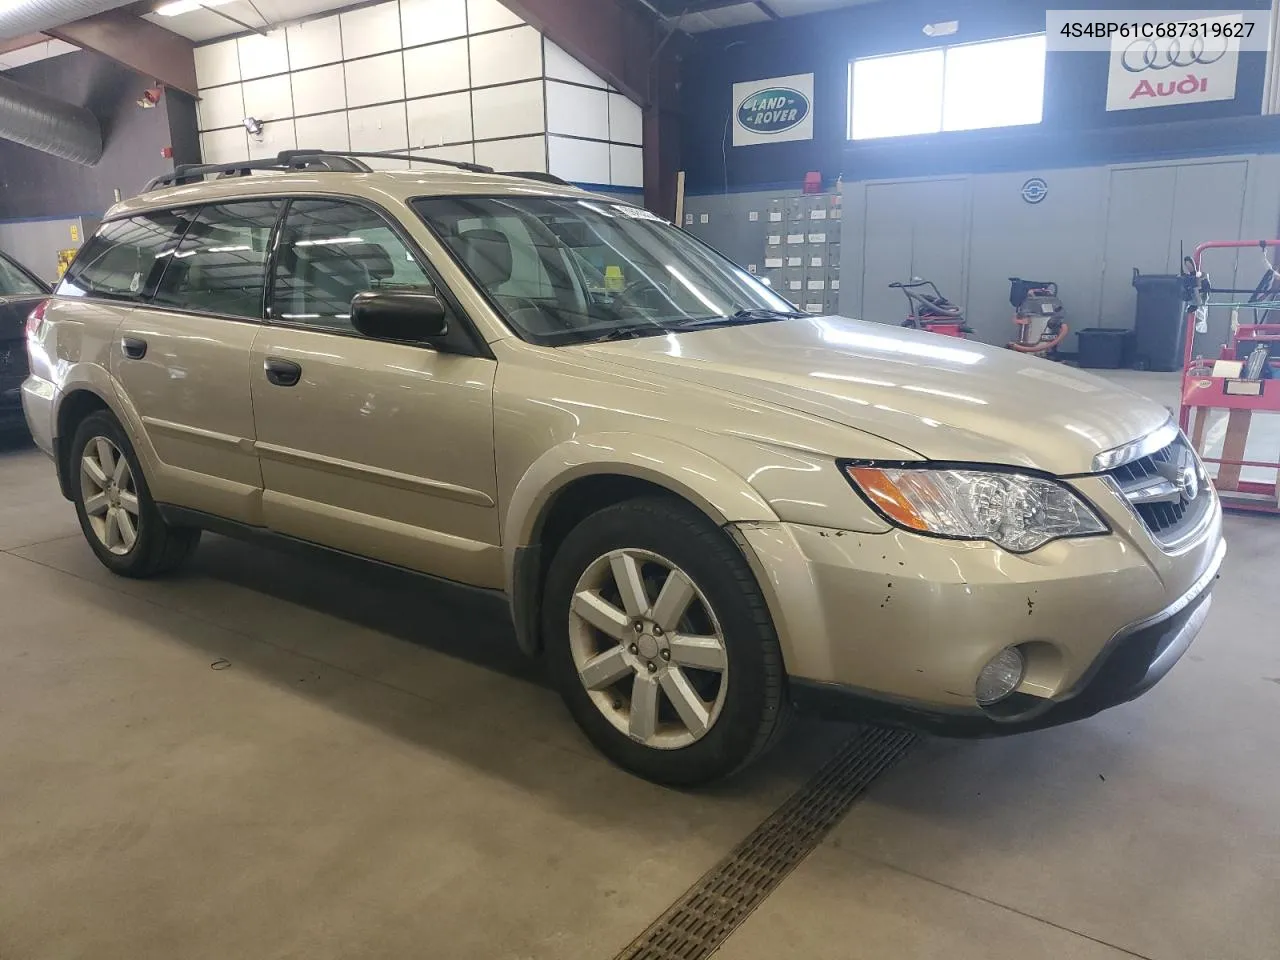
pixel 643 295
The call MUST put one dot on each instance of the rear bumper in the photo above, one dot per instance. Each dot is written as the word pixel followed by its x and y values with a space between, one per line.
pixel 39 405
pixel 1135 659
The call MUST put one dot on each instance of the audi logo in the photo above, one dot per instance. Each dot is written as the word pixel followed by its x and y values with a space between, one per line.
pixel 1152 55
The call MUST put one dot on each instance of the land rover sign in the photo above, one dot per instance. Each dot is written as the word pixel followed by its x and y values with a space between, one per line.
pixel 773 110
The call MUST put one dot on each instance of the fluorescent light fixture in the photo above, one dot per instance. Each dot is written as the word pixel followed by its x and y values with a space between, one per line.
pixel 178 7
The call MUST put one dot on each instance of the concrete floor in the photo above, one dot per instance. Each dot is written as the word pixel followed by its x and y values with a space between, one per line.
pixel 377 773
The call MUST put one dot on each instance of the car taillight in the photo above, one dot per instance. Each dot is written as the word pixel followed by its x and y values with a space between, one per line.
pixel 35 318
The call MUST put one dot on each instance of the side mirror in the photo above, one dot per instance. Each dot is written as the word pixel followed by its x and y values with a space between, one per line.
pixel 402 315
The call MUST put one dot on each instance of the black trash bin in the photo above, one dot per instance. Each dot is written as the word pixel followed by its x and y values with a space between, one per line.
pixel 1159 323
pixel 1101 348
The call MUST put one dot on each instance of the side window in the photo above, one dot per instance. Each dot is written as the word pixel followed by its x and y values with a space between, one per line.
pixel 221 264
pixel 125 258
pixel 329 251
pixel 15 283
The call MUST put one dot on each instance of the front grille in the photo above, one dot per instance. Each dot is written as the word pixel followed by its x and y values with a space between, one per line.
pixel 1160 490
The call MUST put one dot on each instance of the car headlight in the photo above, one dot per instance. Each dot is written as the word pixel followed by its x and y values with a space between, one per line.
pixel 1014 510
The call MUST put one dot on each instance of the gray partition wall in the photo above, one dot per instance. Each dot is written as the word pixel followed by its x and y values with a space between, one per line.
pixel 36 243
pixel 1088 232
pixel 969 233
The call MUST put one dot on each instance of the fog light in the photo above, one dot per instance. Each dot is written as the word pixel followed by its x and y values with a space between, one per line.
pixel 1000 677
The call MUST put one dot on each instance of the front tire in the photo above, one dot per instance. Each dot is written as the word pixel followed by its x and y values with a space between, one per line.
pixel 661 644
pixel 117 514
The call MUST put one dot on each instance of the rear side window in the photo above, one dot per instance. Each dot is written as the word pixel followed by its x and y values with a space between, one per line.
pixel 125 259
pixel 221 264
pixel 331 250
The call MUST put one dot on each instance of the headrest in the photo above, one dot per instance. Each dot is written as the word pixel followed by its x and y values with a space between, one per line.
pixel 343 258
pixel 487 254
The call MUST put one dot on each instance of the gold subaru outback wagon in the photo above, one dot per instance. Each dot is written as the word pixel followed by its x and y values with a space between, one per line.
pixel 704 506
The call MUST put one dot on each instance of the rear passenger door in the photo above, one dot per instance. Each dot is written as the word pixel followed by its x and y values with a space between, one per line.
pixel 183 360
pixel 377 448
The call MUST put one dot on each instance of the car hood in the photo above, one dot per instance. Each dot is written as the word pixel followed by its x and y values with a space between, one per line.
pixel 944 398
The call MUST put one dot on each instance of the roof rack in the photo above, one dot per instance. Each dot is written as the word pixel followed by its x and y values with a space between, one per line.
pixel 185 173
pixel 293 156
pixel 335 161
pixel 536 175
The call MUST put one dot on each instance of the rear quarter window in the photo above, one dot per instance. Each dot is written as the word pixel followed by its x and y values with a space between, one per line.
pixel 126 258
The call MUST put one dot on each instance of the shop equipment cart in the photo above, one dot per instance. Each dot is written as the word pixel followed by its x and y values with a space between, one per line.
pixel 1243 380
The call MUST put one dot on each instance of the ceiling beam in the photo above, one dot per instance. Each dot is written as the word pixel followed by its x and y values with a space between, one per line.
pixel 614 39
pixel 21 43
pixel 138 44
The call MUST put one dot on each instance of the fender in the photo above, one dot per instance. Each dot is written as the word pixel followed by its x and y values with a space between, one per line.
pixel 93 378
pixel 720 493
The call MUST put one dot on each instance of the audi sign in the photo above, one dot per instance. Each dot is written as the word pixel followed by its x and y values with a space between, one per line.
pixel 1165 71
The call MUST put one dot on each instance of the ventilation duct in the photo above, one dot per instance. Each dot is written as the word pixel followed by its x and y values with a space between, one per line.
pixel 39 121
pixel 35 16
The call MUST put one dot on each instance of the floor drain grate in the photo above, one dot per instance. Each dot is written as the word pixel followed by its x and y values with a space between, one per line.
pixel 702 919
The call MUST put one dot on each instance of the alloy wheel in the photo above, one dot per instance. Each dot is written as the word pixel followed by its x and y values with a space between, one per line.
pixel 648 648
pixel 110 497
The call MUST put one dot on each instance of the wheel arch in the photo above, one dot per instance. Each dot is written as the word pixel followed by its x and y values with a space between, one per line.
pixel 76 404
pixel 571 481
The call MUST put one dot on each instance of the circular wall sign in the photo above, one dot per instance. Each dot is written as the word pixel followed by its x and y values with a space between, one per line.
pixel 1035 190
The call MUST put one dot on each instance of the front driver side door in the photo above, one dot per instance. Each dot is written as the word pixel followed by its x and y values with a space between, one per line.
pixel 380 449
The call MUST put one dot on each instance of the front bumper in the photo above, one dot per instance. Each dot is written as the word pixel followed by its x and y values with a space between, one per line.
pixel 1135 660
pixel 903 624
pixel 11 414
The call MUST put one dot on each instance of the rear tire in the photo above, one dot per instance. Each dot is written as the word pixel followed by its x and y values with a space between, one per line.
pixel 678 676
pixel 117 514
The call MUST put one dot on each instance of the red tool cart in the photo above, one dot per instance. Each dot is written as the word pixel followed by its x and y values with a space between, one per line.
pixel 1243 380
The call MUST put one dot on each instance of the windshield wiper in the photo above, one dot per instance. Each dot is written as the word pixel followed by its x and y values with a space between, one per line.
pixel 763 313
pixel 631 331
pixel 754 315
pixel 634 331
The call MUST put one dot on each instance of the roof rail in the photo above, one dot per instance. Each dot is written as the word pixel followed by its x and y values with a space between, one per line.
pixel 336 161
pixel 186 173
pixel 536 175
pixel 302 154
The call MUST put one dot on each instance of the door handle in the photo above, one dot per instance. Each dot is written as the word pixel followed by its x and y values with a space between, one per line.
pixel 283 373
pixel 134 348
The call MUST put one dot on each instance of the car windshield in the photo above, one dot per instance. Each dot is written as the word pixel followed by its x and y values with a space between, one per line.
pixel 566 270
pixel 15 283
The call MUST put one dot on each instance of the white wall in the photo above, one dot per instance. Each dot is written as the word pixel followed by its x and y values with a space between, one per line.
pixel 466 79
